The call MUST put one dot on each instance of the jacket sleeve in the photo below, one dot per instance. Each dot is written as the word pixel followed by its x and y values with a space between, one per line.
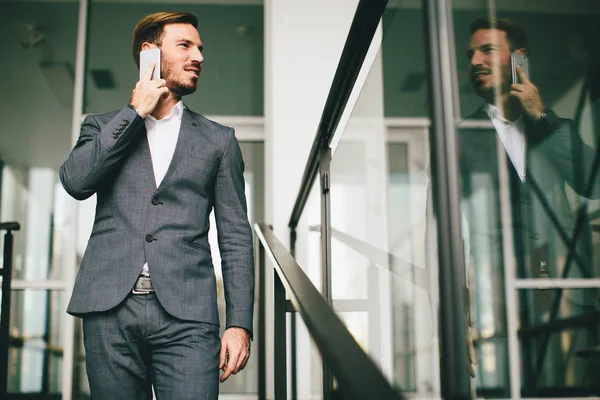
pixel 234 236
pixel 99 151
pixel 573 159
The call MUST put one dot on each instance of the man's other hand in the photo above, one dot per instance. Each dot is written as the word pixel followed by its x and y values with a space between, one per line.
pixel 148 92
pixel 235 351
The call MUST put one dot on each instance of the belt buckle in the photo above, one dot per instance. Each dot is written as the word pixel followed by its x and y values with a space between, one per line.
pixel 141 291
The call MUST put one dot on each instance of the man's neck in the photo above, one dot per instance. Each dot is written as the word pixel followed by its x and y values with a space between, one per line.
pixel 164 107
pixel 508 106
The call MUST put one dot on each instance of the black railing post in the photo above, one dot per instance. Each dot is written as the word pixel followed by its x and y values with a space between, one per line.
pixel 326 284
pixel 262 325
pixel 293 328
pixel 280 364
pixel 6 273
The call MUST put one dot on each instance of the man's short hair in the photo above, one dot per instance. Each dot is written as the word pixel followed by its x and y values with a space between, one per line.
pixel 515 33
pixel 151 28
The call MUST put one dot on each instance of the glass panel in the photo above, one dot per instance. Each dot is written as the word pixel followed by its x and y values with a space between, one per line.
pixel 383 262
pixel 31 196
pixel 308 237
pixel 566 347
pixel 36 341
pixel 36 134
pixel 309 364
pixel 405 71
pixel 230 33
pixel 526 160
pixel 358 207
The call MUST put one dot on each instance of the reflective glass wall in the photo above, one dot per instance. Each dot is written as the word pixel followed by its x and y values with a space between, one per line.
pixel 526 162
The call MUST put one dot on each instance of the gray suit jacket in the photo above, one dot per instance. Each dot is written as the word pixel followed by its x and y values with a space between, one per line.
pixel 167 227
pixel 555 156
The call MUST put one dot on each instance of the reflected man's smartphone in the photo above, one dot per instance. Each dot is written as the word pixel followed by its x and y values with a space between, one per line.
pixel 147 57
pixel 523 61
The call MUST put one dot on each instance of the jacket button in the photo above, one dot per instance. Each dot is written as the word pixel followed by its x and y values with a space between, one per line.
pixel 149 238
pixel 155 201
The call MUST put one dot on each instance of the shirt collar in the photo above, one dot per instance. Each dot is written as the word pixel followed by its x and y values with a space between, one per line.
pixel 494 113
pixel 176 112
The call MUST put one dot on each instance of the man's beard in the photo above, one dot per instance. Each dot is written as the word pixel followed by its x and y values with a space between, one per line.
pixel 174 82
pixel 490 91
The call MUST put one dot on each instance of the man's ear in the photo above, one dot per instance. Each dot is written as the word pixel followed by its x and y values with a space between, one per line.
pixel 522 51
pixel 146 46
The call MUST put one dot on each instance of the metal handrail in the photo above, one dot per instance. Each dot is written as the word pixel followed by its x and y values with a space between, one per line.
pixel 559 325
pixel 6 273
pixel 365 22
pixel 357 375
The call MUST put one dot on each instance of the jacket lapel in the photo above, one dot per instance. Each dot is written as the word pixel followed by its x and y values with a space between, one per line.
pixel 140 161
pixel 186 134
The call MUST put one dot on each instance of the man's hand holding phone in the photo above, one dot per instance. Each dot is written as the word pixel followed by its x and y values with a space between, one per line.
pixel 148 92
pixel 528 95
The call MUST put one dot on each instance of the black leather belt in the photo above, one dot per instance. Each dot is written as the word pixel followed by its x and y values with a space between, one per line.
pixel 143 285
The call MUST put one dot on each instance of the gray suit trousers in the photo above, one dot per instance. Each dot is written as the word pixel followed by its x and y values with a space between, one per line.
pixel 138 345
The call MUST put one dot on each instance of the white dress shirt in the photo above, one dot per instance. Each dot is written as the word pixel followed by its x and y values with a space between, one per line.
pixel 512 135
pixel 162 138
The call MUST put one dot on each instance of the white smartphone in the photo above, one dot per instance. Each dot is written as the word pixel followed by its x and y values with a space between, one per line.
pixel 523 61
pixel 147 57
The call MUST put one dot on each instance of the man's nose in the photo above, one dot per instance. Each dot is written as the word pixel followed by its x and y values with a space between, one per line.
pixel 197 56
pixel 477 58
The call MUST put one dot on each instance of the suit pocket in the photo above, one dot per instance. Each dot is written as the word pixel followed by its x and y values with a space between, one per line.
pixel 103 225
pixel 197 246
pixel 102 232
pixel 103 218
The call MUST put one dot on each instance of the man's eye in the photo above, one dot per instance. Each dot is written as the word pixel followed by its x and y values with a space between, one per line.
pixel 183 44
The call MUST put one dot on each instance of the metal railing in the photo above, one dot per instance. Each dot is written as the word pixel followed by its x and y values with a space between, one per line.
pixel 357 375
pixel 6 273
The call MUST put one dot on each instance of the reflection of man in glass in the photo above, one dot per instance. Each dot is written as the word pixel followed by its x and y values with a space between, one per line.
pixel 538 155
pixel 490 72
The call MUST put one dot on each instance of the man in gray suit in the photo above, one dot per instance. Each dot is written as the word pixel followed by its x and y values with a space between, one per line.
pixel 146 287
pixel 539 154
